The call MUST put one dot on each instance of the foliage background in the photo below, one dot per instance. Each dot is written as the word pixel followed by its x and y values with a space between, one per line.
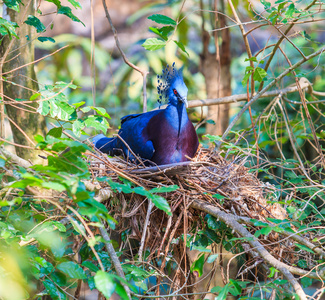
pixel 50 222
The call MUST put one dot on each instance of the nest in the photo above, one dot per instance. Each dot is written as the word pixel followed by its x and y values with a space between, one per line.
pixel 208 177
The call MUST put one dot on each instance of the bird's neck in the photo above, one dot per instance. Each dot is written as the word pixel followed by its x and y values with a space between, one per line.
pixel 177 116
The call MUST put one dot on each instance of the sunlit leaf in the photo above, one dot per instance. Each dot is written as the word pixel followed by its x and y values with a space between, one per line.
pixel 153 44
pixel 161 19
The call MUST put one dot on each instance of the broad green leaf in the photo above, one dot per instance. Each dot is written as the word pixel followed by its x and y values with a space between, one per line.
pixel 43 108
pixel 97 122
pixel 56 132
pixel 105 283
pixel 236 291
pixel 161 19
pixel 161 203
pixel 290 11
pixel 12 4
pixel 8 27
pixel 152 44
pixel 198 265
pixel 90 266
pixel 77 126
pixel 33 21
pixel 46 39
pixel 53 291
pixel 72 269
pixel 65 10
pixel 53 186
pixel 259 74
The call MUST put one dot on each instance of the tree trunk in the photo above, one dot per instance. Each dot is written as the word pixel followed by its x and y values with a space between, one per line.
pixel 22 83
pixel 216 69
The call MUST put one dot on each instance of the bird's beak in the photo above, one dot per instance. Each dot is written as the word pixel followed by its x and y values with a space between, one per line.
pixel 184 100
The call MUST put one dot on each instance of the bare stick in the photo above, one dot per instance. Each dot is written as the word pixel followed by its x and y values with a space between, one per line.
pixel 304 83
pixel 142 72
pixel 143 237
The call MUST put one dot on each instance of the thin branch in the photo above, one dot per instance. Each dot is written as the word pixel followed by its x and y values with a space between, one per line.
pixel 114 258
pixel 143 237
pixel 142 72
pixel 304 83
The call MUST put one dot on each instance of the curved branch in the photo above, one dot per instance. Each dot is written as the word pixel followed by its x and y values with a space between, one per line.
pixel 142 72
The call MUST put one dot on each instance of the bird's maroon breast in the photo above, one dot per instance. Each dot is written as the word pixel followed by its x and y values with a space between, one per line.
pixel 169 147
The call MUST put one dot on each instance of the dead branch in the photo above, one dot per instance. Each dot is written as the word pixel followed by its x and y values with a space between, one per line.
pixel 304 83
pixel 142 72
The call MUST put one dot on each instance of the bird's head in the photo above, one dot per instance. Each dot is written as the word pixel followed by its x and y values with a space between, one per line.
pixel 171 87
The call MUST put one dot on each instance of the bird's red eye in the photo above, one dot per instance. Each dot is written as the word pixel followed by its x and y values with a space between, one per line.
pixel 175 92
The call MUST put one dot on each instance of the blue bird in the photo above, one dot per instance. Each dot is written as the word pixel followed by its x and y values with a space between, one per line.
pixel 162 136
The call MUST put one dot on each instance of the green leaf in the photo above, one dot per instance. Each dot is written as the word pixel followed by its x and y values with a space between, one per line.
pixel 182 47
pixel 34 96
pixel 223 293
pixel 198 265
pixel 12 4
pixel 161 19
pixel 164 189
pixel 161 203
pixel 237 289
pixel 101 111
pixel 75 3
pixel 152 44
pixel 53 186
pixel 90 266
pixel 53 291
pixel 33 21
pixel 46 39
pixel 77 126
pixel 72 269
pixel 290 11
pixel 163 32
pixel 56 132
pixel 105 283
pixel 303 247
pixel 59 226
pixel 65 10
pixel 97 122
pixel 8 27
pixel 259 74
pixel 43 108
pixel 306 282
pixel 251 59
pixel 212 258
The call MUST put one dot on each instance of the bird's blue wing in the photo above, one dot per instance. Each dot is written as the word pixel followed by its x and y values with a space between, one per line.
pixel 129 117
